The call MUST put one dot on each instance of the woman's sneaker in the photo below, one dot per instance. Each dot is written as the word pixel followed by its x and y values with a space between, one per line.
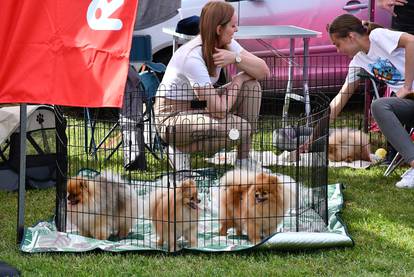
pixel 407 180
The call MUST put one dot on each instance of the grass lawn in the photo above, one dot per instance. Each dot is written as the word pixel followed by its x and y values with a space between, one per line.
pixel 380 218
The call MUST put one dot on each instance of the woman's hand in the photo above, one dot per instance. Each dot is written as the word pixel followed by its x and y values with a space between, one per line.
pixel 404 92
pixel 388 5
pixel 223 57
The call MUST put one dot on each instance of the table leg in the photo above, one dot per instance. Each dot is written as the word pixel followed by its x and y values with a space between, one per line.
pixel 289 86
pixel 306 78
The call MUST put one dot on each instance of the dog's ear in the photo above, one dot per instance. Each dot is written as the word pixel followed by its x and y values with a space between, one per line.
pixel 188 187
pixel 265 178
pixel 188 183
pixel 273 179
pixel 70 185
pixel 83 184
pixel 261 177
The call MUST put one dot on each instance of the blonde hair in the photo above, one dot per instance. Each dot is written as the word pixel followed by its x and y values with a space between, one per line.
pixel 213 14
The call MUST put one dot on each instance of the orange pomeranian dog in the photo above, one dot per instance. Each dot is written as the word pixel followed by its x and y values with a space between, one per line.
pixel 263 207
pixel 175 214
pixel 100 207
pixel 233 188
pixel 348 145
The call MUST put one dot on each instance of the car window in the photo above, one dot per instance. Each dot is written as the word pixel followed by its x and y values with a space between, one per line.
pixel 152 12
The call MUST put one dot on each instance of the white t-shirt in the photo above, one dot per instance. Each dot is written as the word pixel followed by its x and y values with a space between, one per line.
pixel 384 60
pixel 187 69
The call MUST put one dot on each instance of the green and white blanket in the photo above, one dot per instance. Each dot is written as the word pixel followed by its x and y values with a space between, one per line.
pixel 311 232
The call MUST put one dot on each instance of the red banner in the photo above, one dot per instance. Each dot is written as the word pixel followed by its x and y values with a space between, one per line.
pixel 65 52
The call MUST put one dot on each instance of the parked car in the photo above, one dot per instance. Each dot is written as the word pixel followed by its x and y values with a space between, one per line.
pixel 314 15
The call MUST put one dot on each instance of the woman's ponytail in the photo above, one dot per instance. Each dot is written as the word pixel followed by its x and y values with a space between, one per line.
pixel 346 23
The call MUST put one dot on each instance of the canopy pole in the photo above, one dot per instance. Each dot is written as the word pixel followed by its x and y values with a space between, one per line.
pixel 22 173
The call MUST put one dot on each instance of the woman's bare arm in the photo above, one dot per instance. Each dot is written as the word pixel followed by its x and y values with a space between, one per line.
pixel 338 103
pixel 336 106
pixel 252 65
pixel 407 42
pixel 221 100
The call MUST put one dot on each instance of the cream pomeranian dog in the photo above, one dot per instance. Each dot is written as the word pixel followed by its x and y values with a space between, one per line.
pixel 101 207
pixel 346 144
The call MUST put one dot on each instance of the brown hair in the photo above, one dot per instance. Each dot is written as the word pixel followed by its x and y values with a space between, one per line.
pixel 346 23
pixel 213 14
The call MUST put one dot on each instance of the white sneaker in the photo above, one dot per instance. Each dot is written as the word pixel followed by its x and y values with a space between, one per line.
pixel 179 160
pixel 407 180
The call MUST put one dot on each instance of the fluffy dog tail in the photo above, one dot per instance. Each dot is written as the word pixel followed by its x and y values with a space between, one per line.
pixel 124 196
pixel 238 179
pixel 151 202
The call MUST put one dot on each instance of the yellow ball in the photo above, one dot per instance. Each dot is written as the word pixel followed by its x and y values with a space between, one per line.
pixel 381 153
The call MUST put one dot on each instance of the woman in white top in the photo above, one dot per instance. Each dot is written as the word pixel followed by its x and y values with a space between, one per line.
pixel 389 56
pixel 195 116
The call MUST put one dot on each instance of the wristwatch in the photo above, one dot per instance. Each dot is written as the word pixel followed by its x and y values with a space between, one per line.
pixel 238 58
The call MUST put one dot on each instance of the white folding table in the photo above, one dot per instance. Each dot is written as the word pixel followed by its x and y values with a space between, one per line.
pixel 265 32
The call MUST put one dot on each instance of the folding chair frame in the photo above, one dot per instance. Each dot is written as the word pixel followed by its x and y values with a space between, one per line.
pixel 397 160
pixel 140 53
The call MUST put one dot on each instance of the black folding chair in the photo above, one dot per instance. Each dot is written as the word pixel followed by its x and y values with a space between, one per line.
pixel 148 84
pixel 396 161
pixel 375 85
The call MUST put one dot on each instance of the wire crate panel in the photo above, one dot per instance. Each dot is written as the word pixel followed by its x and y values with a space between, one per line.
pixel 207 205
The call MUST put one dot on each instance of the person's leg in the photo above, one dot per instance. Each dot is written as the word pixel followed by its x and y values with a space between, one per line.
pixel 193 132
pixel 248 102
pixel 391 114
pixel 247 106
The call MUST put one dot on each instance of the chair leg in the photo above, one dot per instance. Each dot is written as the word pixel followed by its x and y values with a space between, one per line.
pixel 153 152
pixel 113 151
pixel 396 161
pixel 178 160
pixel 152 138
pixel 90 122
pixel 105 138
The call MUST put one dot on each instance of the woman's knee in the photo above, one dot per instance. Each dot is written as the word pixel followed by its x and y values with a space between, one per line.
pixel 378 106
pixel 253 86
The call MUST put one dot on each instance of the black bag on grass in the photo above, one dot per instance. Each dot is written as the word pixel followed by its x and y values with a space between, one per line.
pixel 41 157
pixel 7 270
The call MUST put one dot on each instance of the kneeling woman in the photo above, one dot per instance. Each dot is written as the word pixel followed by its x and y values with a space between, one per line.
pixel 192 114
pixel 389 56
